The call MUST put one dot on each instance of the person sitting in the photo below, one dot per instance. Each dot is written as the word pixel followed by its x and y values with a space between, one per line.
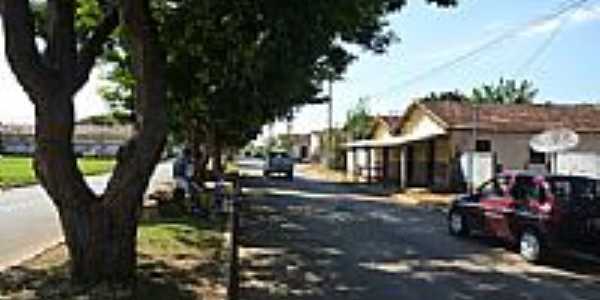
pixel 183 172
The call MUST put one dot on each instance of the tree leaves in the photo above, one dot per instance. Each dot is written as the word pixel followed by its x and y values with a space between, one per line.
pixel 505 92
pixel 359 122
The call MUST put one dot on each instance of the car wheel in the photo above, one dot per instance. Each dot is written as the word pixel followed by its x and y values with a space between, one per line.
pixel 457 224
pixel 531 246
pixel 266 174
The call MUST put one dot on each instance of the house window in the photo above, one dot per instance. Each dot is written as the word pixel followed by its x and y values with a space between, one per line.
pixel 536 157
pixel 483 146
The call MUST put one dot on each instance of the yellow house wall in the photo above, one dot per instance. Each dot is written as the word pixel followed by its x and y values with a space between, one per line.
pixel 419 123
pixel 381 131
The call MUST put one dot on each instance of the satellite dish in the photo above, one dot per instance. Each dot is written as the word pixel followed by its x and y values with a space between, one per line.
pixel 553 141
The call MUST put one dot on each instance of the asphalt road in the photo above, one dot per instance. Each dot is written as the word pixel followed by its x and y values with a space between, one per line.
pixel 29 221
pixel 314 240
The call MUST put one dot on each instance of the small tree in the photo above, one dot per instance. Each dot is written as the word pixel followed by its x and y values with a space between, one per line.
pixel 359 123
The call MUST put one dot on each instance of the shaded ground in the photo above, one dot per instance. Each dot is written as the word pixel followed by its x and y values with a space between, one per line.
pixel 179 259
pixel 313 240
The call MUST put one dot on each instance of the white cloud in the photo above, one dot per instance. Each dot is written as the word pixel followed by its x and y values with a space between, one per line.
pixel 588 14
pixel 541 28
pixel 582 15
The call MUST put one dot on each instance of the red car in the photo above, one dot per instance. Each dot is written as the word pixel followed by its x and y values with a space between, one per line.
pixel 535 213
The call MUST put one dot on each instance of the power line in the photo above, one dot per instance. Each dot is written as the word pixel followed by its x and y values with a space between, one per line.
pixel 562 10
pixel 543 47
pixel 541 50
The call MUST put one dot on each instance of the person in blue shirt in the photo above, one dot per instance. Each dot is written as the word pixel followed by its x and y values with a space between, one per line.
pixel 183 170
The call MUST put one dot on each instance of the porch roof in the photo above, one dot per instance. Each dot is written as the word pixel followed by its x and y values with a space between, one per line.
pixel 392 141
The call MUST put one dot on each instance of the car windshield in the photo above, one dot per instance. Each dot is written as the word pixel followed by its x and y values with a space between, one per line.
pixel 565 188
pixel 274 155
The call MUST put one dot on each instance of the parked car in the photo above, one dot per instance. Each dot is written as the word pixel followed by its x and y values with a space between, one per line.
pixel 537 214
pixel 279 162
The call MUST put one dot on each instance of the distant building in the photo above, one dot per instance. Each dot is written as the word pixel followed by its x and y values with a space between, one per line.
pixel 315 150
pixel 89 140
pixel 299 146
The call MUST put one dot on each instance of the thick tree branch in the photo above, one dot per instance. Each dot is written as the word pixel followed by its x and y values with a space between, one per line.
pixel 62 41
pixel 93 47
pixel 23 55
pixel 139 157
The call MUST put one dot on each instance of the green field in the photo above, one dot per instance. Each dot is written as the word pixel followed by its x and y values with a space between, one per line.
pixel 18 171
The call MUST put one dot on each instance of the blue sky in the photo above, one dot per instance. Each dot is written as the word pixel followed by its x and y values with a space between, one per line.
pixel 566 72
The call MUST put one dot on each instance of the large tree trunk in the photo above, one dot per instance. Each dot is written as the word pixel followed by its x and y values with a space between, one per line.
pixel 100 231
pixel 101 241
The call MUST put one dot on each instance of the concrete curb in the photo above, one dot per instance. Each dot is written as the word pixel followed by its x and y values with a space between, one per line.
pixel 226 258
pixel 31 254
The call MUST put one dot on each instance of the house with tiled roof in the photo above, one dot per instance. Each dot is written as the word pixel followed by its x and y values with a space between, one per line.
pixel 426 147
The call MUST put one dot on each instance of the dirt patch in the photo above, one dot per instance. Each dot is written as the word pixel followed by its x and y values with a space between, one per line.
pixel 424 198
pixel 317 171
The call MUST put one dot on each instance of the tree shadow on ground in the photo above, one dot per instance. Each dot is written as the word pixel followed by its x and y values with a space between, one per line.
pixel 194 274
pixel 321 242
pixel 319 186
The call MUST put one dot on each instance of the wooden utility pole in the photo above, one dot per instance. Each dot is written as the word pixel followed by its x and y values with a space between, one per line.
pixel 473 160
pixel 330 146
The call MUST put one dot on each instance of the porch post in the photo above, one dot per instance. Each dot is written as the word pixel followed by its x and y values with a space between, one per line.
pixel 350 162
pixel 402 168
pixel 431 167
pixel 354 158
pixel 369 165
pixel 385 164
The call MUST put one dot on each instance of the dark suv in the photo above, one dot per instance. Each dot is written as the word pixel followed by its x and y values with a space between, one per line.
pixel 535 213
pixel 279 162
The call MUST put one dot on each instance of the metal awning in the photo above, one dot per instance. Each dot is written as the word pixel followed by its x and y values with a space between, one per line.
pixel 392 141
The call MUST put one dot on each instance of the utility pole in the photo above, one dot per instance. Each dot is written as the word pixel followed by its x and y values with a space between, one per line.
pixel 290 127
pixel 473 161
pixel 330 148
